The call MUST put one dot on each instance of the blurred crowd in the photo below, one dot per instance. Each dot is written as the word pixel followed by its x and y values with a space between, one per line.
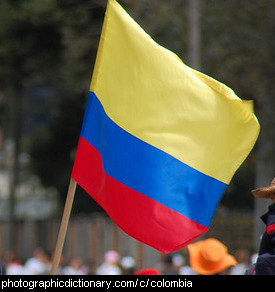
pixel 203 257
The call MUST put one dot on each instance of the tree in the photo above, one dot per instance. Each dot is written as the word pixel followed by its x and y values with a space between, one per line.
pixel 52 150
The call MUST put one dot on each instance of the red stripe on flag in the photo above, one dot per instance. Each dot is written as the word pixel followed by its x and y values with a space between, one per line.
pixel 138 215
pixel 270 228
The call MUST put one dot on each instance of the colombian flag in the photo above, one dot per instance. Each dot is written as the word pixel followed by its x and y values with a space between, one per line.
pixel 160 141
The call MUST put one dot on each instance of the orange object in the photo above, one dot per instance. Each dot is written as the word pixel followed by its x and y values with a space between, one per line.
pixel 265 193
pixel 210 257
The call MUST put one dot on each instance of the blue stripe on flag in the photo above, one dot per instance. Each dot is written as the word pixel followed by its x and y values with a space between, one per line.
pixel 150 170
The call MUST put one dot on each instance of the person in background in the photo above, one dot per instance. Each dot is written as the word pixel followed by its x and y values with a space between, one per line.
pixel 242 257
pixel 210 257
pixel 111 264
pixel 13 265
pixel 185 268
pixel 168 267
pixel 75 267
pixel 128 265
pixel 178 262
pixel 39 264
pixel 265 264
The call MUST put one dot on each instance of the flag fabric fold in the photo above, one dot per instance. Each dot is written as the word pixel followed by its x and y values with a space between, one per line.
pixel 160 141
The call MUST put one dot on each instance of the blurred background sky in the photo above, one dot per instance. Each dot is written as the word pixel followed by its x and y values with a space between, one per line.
pixel 47 53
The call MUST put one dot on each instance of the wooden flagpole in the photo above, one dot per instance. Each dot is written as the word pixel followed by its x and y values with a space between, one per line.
pixel 63 226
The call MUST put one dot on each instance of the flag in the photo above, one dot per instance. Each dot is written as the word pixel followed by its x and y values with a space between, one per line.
pixel 160 141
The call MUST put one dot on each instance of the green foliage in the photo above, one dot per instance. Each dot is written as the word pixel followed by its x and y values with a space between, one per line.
pixel 29 41
pixel 49 44
pixel 52 151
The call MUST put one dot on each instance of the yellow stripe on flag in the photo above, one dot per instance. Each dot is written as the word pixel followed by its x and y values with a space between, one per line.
pixel 150 93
